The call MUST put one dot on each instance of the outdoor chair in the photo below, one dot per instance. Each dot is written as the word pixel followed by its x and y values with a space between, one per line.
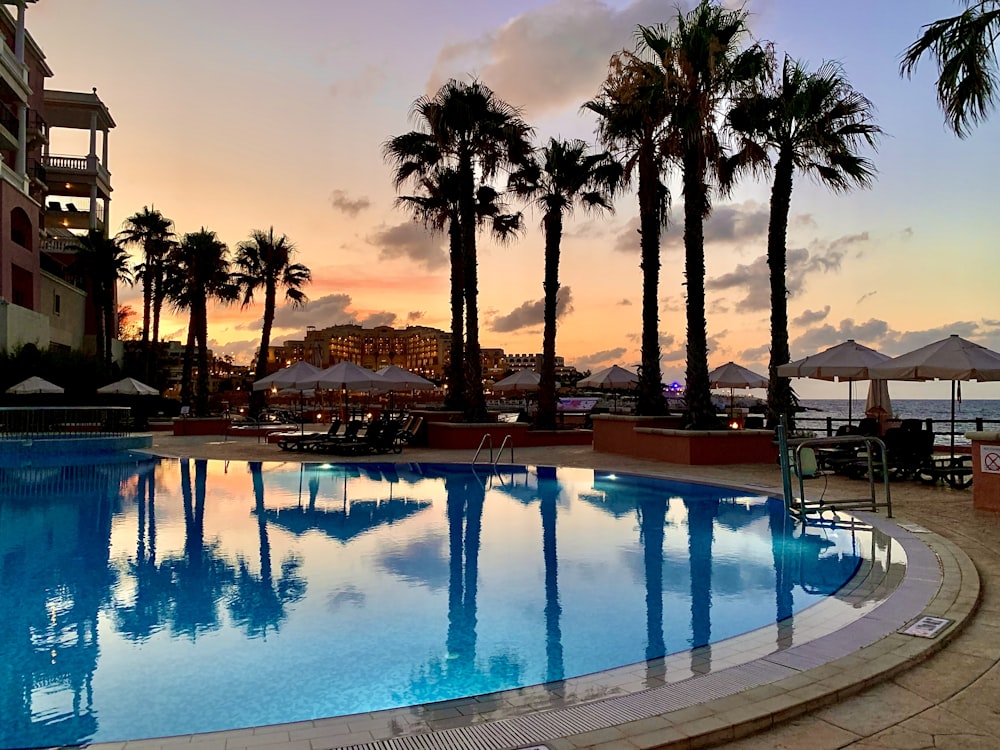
pixel 300 441
pixel 347 431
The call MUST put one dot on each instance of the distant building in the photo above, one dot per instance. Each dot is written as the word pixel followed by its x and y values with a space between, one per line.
pixel 519 362
pixel 46 199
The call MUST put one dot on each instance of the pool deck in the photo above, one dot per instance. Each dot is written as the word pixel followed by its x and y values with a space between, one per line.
pixel 896 691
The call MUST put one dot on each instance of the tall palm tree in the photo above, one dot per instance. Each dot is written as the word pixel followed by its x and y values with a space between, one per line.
pixel 150 231
pixel 265 262
pixel 965 47
pixel 436 206
pixel 705 65
pixel 464 127
pixel 561 175
pixel 633 111
pixel 103 262
pixel 198 271
pixel 811 123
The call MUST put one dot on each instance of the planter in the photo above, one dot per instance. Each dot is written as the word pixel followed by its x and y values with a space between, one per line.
pixel 201 425
pixel 985 470
pixel 643 438
pixel 459 435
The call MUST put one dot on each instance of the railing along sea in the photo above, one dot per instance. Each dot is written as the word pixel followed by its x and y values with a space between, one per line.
pixel 40 422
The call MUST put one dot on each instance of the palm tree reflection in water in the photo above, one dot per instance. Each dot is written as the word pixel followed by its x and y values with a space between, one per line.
pixel 548 493
pixel 701 532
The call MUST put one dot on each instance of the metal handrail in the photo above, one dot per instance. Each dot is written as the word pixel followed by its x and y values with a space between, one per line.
pixel 503 443
pixel 870 502
pixel 482 442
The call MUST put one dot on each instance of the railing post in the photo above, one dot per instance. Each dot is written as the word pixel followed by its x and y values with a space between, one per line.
pixel 829 426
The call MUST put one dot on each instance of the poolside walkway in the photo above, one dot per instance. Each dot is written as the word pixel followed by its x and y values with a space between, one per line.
pixel 949 700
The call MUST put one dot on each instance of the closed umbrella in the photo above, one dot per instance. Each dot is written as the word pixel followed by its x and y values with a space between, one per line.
pixel 35 384
pixel 732 376
pixel 129 387
pixel 878 405
pixel 848 361
pixel 953 358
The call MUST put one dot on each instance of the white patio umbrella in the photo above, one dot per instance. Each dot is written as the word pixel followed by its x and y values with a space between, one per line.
pixel 953 358
pixel 129 387
pixel 344 376
pixel 848 361
pixel 35 384
pixel 287 377
pixel 732 376
pixel 522 380
pixel 610 378
pixel 396 379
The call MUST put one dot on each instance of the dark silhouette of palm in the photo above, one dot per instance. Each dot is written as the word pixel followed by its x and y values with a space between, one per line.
pixel 265 262
pixel 965 49
pixel 560 176
pixel 705 66
pixel 468 129
pixel 198 271
pixel 103 263
pixel 258 602
pixel 813 123
pixel 151 232
pixel 633 112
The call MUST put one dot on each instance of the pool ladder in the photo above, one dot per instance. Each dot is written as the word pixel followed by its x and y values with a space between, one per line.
pixel 488 439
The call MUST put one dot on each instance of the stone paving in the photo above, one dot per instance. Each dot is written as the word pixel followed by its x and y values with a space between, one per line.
pixel 945 697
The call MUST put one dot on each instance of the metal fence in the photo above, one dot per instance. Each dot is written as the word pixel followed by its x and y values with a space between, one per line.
pixel 827 426
pixel 59 421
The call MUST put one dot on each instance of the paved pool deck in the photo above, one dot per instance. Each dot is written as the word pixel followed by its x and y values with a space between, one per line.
pixel 856 684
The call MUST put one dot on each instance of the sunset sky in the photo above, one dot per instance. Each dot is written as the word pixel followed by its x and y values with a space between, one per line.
pixel 242 115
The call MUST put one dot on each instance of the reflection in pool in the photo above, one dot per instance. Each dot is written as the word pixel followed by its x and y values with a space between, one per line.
pixel 159 597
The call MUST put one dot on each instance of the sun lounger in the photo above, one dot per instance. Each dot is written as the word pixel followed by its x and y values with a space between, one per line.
pixel 348 432
pixel 299 441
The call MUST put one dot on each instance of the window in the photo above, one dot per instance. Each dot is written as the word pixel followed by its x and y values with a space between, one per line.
pixel 56 303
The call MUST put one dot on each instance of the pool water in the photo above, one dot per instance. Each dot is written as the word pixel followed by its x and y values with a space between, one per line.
pixel 160 597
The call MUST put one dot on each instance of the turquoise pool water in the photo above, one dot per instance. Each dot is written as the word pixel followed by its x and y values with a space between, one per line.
pixel 155 597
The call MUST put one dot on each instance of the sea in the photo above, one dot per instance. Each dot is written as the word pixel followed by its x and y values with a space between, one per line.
pixel 815 411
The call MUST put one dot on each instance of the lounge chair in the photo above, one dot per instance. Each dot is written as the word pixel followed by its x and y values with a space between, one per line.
pixel 298 442
pixel 410 430
pixel 379 438
pixel 348 432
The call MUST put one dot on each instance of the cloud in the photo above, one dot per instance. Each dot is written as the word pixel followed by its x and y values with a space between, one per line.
pixel 360 86
pixel 531 313
pixel 752 279
pixel 552 57
pixel 627 240
pixel 625 302
pixel 412 241
pixel 612 356
pixel 809 317
pixel 755 354
pixel 733 223
pixel 414 315
pixel 241 351
pixel 340 201
pixel 376 319
pixel 866 295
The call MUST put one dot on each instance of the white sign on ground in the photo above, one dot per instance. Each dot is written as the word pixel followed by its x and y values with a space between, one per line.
pixel 989 458
pixel 926 627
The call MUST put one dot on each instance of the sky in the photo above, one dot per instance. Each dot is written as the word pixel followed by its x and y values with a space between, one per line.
pixel 235 116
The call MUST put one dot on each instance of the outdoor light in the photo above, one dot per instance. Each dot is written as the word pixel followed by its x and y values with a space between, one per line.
pixel 734 425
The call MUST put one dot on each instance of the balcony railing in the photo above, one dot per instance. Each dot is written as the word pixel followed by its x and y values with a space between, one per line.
pixel 8 118
pixel 78 163
pixel 37 125
pixel 8 57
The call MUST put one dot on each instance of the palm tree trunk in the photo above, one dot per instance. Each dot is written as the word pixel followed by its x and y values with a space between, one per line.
pixel 650 397
pixel 698 396
pixel 779 390
pixel 475 410
pixel 270 303
pixel 187 364
pixel 455 398
pixel 546 419
pixel 147 302
pixel 201 395
pixel 110 329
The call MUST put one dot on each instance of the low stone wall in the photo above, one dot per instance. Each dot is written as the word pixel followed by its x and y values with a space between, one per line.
pixel 643 437
pixel 459 435
pixel 201 425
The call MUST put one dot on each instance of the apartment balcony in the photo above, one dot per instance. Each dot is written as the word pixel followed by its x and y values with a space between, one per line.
pixel 38 129
pixel 70 216
pixel 74 175
pixel 8 128
pixel 13 72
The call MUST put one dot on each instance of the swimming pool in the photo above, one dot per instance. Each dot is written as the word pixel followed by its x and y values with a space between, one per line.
pixel 165 597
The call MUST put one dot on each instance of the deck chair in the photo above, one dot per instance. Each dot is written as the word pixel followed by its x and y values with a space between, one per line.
pixel 299 441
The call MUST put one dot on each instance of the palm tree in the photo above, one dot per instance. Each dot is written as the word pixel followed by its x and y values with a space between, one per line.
pixel 150 231
pixel 198 270
pixel 560 176
pixel 633 112
pixel 467 128
pixel 965 49
pixel 266 262
pixel 812 123
pixel 103 262
pixel 704 67
pixel 437 208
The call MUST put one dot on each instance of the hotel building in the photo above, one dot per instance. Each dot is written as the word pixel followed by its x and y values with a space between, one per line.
pixel 47 199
